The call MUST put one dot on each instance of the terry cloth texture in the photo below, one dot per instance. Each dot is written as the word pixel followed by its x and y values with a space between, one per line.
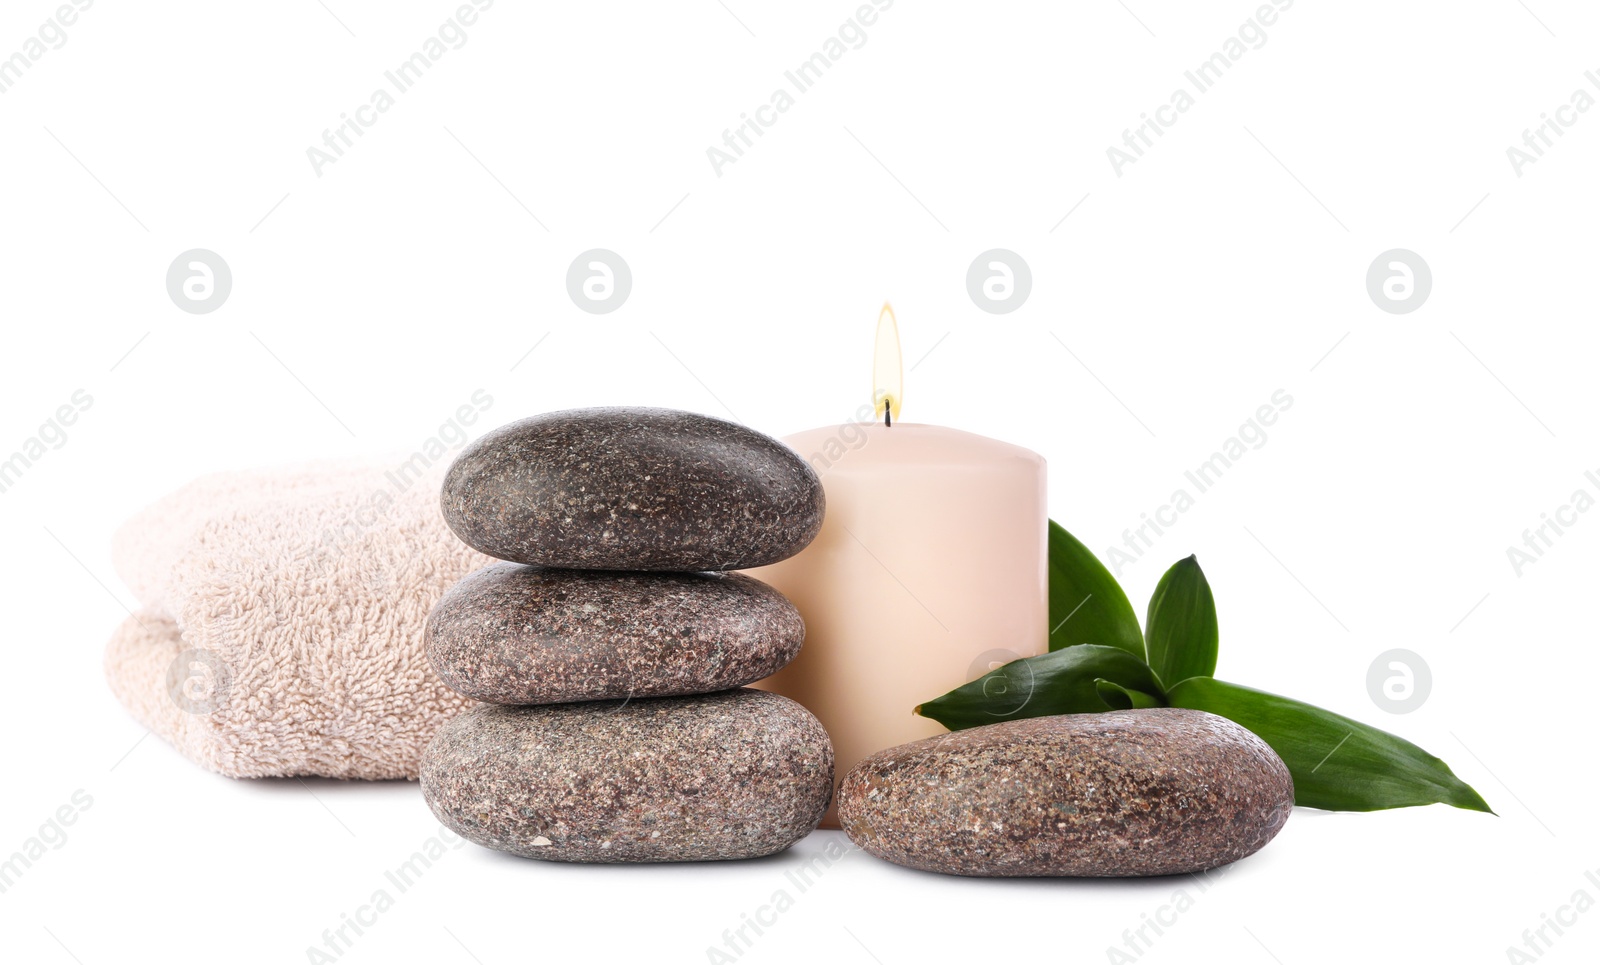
pixel 281 619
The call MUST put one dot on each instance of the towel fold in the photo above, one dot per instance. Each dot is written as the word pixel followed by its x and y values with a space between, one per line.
pixel 280 628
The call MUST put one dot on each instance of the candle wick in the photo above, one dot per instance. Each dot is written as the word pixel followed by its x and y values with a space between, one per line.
pixel 886 413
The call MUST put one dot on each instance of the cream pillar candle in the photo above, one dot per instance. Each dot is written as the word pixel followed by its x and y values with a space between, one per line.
pixel 929 571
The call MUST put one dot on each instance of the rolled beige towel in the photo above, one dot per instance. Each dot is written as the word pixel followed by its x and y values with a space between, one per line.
pixel 281 619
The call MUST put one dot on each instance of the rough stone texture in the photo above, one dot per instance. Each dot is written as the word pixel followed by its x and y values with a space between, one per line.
pixel 632 489
pixel 1134 792
pixel 736 774
pixel 513 634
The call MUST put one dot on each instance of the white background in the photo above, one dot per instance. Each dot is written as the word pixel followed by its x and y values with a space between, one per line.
pixel 1226 264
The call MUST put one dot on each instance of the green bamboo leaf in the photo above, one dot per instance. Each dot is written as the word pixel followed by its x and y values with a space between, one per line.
pixel 1118 697
pixel 1086 604
pixel 1060 682
pixel 1338 764
pixel 1180 631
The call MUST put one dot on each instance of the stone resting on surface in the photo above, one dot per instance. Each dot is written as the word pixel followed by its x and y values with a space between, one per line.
pixel 735 774
pixel 1158 791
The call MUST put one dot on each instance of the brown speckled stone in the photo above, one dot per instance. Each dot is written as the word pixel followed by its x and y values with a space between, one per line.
pixel 513 634
pixel 632 489
pixel 1134 792
pixel 737 774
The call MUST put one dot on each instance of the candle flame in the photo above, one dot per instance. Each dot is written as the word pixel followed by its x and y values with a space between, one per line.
pixel 887 376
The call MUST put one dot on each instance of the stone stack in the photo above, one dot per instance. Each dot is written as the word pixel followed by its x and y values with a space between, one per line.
pixel 612 648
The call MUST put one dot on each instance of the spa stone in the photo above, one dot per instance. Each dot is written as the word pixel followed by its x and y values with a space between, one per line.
pixel 1129 793
pixel 736 774
pixel 512 634
pixel 632 489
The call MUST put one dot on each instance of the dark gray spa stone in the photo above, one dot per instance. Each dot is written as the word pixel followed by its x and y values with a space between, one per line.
pixel 1128 793
pixel 632 489
pixel 513 634
pixel 736 774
